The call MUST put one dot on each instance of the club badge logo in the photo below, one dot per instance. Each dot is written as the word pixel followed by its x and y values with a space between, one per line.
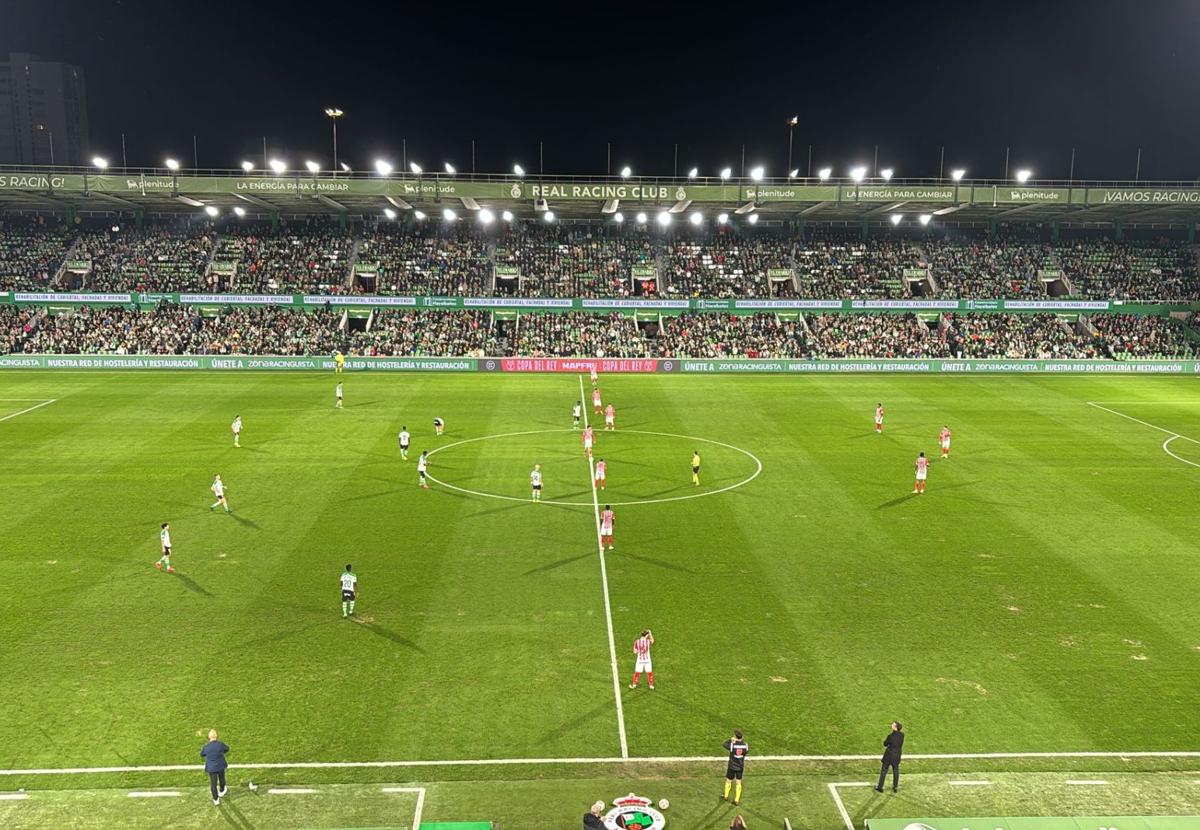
pixel 632 812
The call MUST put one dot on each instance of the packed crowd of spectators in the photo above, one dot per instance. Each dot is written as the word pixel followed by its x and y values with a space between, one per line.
pixel 172 329
pixel 1126 336
pixel 30 255
pixel 427 262
pixel 428 333
pixel 539 259
pixel 730 265
pixel 579 334
pixel 309 258
pixel 150 259
pixel 728 335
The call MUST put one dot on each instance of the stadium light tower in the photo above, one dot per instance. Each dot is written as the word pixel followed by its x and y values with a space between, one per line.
pixel 518 170
pixel 382 167
pixel 958 174
pixel 694 172
pixel 626 172
pixel 277 166
pixel 896 218
pixel 886 174
pixel 334 114
pixel 172 165
pixel 247 166
pixel 101 163
pixel 1023 175
pixel 824 173
pixel 757 173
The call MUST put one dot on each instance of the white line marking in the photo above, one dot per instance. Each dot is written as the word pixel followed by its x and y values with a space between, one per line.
pixel 1173 455
pixel 1088 783
pixel 1166 448
pixel 659 759
pixel 291 791
pixel 970 783
pixel 30 409
pixel 155 794
pixel 612 643
pixel 758 468
pixel 841 807
pixel 13 796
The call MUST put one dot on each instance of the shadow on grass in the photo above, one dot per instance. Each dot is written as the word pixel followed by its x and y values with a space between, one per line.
pixel 650 561
pixel 897 502
pixel 552 565
pixel 513 505
pixel 367 496
pixel 604 710
pixel 446 491
pixel 244 521
pixel 233 816
pixel 388 634
pixel 192 585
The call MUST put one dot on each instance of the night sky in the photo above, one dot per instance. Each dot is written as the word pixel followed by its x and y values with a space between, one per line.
pixel 1104 77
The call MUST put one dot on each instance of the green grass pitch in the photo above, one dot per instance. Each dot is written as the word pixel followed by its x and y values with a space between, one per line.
pixel 1040 597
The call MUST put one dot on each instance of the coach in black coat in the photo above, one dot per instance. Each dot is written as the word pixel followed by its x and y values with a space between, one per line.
pixel 892 745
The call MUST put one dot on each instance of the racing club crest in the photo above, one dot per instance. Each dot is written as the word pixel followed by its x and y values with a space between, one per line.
pixel 632 812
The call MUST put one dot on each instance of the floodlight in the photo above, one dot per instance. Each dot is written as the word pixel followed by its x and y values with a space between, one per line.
pixel 858 174
pixel 415 168
pixel 312 166
pixel 449 215
pixel 507 216
pixel 726 172
pixel 824 173
pixel 102 163
pixel 696 218
pixel 382 167
pixel 389 213
pixel 172 164
pixel 277 165
pixel 548 216
pixel 663 219
pixel 722 218
pixel 211 210
pixel 518 170
pixel 1023 175
pixel 957 174
pixel 896 218
pixel 641 217
pixel 886 174
pixel 239 211
pixel 247 166
pixel 757 173
pixel 924 218
pixel 618 217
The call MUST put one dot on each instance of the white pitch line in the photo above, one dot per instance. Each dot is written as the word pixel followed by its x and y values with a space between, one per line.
pixel 1167 450
pixel 155 794
pixel 612 643
pixel 841 806
pixel 1088 783
pixel 13 796
pixel 1143 423
pixel 650 759
pixel 970 783
pixel 30 409
pixel 291 791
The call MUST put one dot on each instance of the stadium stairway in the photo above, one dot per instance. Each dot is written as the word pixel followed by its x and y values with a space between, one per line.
pixel 352 261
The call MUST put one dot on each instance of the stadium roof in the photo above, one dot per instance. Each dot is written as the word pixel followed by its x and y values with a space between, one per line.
pixel 160 191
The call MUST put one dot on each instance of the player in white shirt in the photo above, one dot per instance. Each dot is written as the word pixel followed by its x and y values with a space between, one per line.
pixel 922 466
pixel 349 591
pixel 338 393
pixel 577 413
pixel 236 427
pixel 422 468
pixel 405 438
pixel 164 540
pixel 535 482
pixel 218 488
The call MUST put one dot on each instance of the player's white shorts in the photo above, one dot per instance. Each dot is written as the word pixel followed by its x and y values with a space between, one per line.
pixel 643 664
pixel 608 420
pixel 946 444
pixel 921 474
pixel 600 476
pixel 879 422
pixel 587 443
pixel 606 530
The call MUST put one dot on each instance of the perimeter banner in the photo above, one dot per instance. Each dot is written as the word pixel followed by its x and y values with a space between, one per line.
pixel 938 366
pixel 236 363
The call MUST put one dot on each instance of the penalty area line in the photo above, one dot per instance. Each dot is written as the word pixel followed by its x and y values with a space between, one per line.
pixel 612 643
pixel 30 409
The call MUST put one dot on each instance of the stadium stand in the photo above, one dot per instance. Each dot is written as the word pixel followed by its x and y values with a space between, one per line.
pixel 30 255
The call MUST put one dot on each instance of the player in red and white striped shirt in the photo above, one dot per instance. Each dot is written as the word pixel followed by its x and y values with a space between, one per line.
pixel 879 419
pixel 944 440
pixel 606 527
pixel 641 647
pixel 596 399
pixel 922 471
pixel 589 436
pixel 601 474
pixel 610 417
pixel 595 377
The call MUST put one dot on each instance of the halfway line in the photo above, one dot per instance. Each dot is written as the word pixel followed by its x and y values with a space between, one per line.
pixel 612 643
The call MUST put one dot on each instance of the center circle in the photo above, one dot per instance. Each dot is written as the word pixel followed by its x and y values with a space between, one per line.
pixel 600 438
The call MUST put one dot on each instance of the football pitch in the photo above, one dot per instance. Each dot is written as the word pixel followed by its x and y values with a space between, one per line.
pixel 1038 600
